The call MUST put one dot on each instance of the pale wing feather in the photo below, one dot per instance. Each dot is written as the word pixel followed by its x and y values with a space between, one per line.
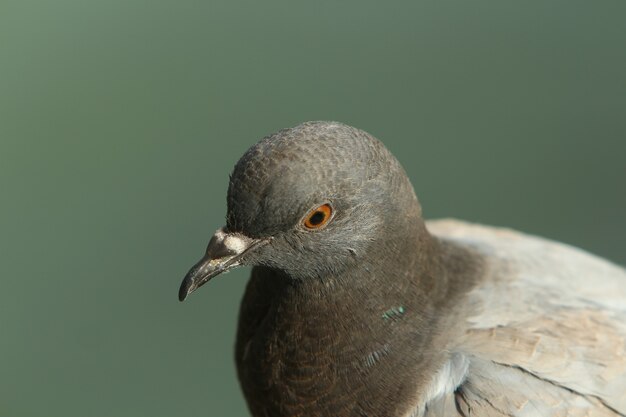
pixel 547 327
pixel 493 390
pixel 524 395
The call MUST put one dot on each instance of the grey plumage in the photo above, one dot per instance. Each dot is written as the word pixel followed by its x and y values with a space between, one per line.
pixel 376 313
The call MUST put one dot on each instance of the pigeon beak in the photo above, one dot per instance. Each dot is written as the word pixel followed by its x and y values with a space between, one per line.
pixel 225 251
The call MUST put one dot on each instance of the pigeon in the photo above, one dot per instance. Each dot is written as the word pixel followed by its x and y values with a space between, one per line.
pixel 356 306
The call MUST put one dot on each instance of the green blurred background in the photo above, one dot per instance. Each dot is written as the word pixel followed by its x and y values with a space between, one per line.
pixel 120 121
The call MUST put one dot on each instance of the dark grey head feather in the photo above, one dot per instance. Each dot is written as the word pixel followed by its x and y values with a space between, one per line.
pixel 287 174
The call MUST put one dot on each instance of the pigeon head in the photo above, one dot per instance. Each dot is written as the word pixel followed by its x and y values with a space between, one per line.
pixel 311 201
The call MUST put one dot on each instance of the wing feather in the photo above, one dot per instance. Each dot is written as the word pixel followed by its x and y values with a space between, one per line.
pixel 546 329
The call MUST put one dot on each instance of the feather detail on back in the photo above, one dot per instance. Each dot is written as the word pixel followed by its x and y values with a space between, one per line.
pixel 545 331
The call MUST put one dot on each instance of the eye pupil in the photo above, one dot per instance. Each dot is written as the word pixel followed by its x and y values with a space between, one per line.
pixel 317 218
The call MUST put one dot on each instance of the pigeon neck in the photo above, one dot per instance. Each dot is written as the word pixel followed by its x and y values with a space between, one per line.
pixel 351 337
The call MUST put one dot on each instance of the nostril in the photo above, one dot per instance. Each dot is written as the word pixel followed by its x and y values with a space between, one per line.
pixel 220 250
pixel 223 244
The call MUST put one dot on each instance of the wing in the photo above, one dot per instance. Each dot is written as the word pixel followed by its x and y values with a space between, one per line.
pixel 546 332
pixel 498 390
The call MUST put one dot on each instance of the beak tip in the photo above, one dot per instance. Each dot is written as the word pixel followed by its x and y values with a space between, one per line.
pixel 184 290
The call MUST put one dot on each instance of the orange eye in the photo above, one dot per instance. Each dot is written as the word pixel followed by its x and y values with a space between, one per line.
pixel 318 217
